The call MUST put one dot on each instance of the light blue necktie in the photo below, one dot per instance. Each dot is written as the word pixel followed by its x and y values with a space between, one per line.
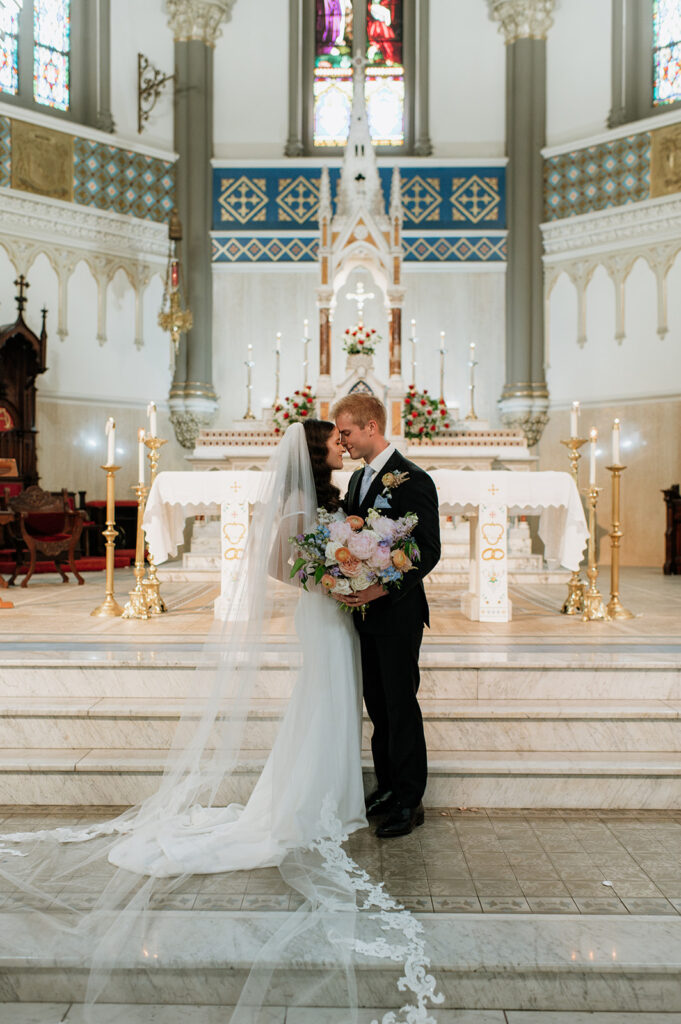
pixel 366 483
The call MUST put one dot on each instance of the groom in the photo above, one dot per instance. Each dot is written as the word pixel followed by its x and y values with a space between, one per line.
pixel 391 632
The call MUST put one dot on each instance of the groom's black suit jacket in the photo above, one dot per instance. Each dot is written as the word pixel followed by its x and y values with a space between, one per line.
pixel 404 609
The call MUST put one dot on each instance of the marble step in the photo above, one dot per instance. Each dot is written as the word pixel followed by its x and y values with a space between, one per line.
pixel 519 962
pixel 178 1013
pixel 488 674
pixel 143 723
pixel 469 778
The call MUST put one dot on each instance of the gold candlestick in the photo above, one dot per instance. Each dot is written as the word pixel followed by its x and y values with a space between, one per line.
pixel 574 602
pixel 152 584
pixel 593 602
pixel 110 605
pixel 615 608
pixel 138 605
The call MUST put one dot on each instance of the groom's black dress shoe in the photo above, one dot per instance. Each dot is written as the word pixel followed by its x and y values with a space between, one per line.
pixel 400 822
pixel 381 801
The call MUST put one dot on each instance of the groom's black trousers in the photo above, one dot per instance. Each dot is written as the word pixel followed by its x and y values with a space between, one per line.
pixel 390 672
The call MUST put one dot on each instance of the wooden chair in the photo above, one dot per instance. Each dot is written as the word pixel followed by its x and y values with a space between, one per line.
pixel 45 524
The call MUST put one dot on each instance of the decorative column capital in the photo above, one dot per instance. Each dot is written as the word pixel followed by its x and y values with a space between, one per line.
pixel 198 19
pixel 522 19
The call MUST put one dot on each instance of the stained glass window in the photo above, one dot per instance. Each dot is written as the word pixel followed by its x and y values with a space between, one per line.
pixel 385 72
pixel 666 51
pixel 9 38
pixel 333 72
pixel 51 53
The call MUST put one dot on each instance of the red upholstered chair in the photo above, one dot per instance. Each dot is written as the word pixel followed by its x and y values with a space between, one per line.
pixel 46 525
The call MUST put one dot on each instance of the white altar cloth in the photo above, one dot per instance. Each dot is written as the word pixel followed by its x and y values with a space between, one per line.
pixel 552 496
pixel 487 498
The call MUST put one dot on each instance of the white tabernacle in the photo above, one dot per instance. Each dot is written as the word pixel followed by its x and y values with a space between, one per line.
pixel 487 498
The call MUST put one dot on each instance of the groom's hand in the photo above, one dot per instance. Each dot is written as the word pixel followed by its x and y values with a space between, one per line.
pixel 371 593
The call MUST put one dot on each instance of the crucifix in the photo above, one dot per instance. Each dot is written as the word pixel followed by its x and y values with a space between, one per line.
pixel 22 284
pixel 360 297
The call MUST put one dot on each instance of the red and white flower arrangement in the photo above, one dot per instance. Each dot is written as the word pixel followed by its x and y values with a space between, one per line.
pixel 424 416
pixel 294 409
pixel 360 339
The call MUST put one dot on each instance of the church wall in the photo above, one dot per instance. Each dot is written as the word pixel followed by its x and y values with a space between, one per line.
pixel 636 381
pixel 251 306
pixel 140 28
pixel 251 82
pixel 578 63
pixel 86 382
pixel 466 81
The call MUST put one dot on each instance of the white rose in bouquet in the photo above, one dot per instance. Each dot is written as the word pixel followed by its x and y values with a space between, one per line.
pixel 363 545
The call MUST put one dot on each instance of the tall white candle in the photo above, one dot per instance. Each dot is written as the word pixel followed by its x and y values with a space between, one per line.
pixel 151 414
pixel 278 341
pixel 140 455
pixel 616 443
pixel 592 461
pixel 110 431
pixel 306 329
pixel 413 329
pixel 471 363
pixel 574 420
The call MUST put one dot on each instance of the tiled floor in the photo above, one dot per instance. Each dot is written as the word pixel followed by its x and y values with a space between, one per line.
pixel 541 862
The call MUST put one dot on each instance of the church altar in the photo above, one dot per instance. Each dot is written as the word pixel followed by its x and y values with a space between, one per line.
pixel 486 498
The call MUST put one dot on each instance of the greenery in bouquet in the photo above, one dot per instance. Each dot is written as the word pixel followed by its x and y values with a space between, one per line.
pixel 423 415
pixel 294 409
pixel 347 554
pixel 360 339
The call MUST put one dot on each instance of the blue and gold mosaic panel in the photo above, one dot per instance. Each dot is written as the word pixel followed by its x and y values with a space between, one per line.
pixel 432 249
pixel 5 153
pixel 274 198
pixel 609 174
pixel 117 179
pixel 454 250
pixel 250 249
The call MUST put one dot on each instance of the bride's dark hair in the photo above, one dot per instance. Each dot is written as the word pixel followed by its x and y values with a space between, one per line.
pixel 317 433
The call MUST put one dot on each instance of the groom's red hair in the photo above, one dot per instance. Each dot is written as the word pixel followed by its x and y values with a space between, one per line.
pixel 362 408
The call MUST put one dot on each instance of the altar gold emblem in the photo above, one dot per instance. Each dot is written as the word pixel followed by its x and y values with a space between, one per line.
pixel 665 161
pixel 233 533
pixel 42 161
pixel 492 533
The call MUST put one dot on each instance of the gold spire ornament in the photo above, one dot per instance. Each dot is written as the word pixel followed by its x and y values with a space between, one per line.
pixel 175 315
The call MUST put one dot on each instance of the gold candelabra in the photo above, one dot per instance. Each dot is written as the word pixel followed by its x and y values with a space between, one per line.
pixel 152 584
pixel 110 605
pixel 138 605
pixel 593 602
pixel 615 607
pixel 574 602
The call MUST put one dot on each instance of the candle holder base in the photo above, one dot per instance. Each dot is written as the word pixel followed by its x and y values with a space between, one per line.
pixel 616 610
pixel 574 602
pixel 152 590
pixel 109 608
pixel 594 609
pixel 136 608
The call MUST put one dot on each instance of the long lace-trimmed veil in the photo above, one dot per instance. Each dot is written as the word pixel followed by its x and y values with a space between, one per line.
pixel 148 854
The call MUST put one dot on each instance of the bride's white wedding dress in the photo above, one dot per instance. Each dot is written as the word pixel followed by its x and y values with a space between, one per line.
pixel 315 758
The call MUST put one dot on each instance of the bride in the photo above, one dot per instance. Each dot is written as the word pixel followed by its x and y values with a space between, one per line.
pixel 307 800
pixel 316 754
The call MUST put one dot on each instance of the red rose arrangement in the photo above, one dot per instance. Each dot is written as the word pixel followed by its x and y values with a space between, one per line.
pixel 424 417
pixel 360 339
pixel 295 408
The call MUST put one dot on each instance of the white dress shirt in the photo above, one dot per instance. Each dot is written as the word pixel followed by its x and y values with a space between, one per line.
pixel 376 465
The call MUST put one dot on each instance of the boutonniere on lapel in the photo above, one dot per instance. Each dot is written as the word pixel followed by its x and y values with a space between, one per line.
pixel 391 481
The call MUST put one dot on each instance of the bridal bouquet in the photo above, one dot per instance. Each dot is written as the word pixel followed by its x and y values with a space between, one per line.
pixel 346 554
